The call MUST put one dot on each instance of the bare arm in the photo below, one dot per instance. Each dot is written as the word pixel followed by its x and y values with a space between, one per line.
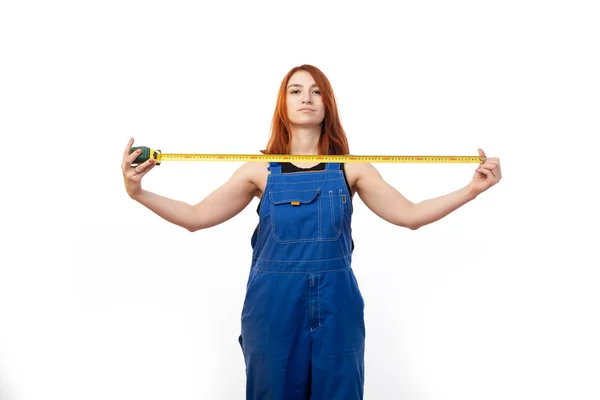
pixel 431 210
pixel 392 206
pixel 228 200
pixel 219 206
pixel 177 212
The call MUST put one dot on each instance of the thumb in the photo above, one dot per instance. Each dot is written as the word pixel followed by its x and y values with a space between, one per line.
pixel 481 154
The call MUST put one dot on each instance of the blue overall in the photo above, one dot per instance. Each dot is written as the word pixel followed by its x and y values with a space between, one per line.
pixel 302 323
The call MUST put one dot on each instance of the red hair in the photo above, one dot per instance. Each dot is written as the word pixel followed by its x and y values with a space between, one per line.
pixel 333 138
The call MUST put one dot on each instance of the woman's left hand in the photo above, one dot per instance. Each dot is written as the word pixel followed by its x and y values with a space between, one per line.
pixel 487 175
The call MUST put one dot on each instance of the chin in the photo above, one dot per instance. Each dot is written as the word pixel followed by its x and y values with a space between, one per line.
pixel 306 124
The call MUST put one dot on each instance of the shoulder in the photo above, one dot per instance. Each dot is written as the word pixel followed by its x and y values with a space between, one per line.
pixel 358 173
pixel 252 173
pixel 251 176
pixel 252 170
pixel 360 169
pixel 253 166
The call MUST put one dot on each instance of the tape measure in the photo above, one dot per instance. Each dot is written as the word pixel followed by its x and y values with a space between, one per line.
pixel 159 157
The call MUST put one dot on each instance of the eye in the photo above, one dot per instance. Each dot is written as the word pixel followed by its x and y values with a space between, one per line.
pixel 317 91
pixel 294 91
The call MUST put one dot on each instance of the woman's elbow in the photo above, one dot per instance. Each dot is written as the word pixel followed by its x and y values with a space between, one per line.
pixel 414 227
pixel 408 224
pixel 195 227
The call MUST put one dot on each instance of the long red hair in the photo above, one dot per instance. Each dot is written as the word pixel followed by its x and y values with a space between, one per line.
pixel 333 138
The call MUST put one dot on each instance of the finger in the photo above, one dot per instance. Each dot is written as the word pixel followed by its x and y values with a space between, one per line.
pixel 128 148
pixel 141 174
pixel 493 164
pixel 489 165
pixel 493 160
pixel 496 162
pixel 487 172
pixel 140 168
pixel 129 159
pixel 126 154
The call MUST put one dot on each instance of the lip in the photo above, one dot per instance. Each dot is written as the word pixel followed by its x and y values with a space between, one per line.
pixel 306 109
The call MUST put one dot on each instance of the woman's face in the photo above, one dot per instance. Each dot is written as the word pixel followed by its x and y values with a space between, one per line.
pixel 304 102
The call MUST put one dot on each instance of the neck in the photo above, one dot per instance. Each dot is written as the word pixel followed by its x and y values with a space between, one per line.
pixel 305 140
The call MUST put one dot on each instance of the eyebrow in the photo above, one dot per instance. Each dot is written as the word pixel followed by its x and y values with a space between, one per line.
pixel 298 85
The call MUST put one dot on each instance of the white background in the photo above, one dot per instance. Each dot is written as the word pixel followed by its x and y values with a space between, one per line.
pixel 102 299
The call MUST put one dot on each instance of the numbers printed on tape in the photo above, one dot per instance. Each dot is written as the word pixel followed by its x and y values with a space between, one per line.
pixel 159 157
pixel 322 158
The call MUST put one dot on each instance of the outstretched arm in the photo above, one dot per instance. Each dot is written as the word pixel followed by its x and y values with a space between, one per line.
pixel 222 204
pixel 392 206
pixel 219 206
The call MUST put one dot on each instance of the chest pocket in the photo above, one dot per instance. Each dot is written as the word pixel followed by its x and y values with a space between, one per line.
pixel 305 215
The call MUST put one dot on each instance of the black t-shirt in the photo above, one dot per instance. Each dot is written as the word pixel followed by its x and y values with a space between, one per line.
pixel 287 167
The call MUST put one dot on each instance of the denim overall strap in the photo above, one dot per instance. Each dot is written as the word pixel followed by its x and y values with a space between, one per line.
pixel 275 168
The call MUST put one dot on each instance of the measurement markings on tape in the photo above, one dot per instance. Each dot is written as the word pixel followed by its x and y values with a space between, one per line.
pixel 159 157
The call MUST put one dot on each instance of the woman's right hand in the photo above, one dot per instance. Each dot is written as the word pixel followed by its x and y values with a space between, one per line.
pixel 133 175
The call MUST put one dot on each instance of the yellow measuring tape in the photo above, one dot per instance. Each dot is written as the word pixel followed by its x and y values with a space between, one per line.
pixel 159 157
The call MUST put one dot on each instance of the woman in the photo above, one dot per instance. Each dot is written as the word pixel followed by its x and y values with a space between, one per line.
pixel 302 326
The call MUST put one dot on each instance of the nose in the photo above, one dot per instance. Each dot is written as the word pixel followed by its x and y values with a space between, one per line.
pixel 306 99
